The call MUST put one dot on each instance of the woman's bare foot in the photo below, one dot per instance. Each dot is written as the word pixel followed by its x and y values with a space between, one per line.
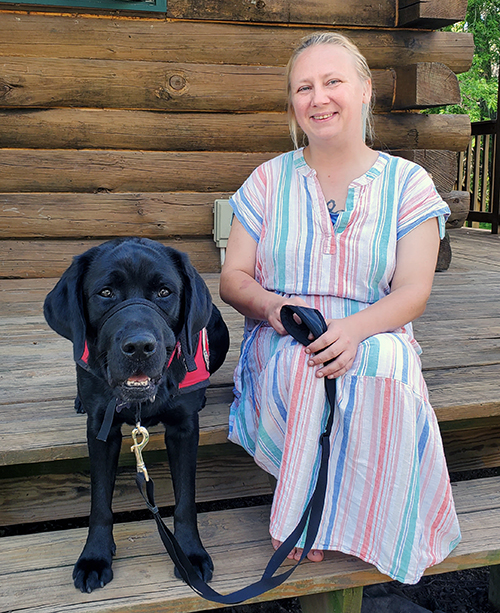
pixel 315 555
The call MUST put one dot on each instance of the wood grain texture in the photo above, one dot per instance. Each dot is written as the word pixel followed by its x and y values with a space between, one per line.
pixel 144 578
pixel 424 85
pixel 209 132
pixel 67 496
pixel 58 170
pixel 53 36
pixel 40 258
pixel 317 12
pixel 54 82
pixel 153 215
pixel 431 13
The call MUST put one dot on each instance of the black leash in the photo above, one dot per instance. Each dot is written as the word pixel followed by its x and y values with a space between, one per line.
pixel 312 322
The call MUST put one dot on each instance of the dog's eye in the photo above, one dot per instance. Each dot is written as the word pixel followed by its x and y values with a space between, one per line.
pixel 106 293
pixel 163 292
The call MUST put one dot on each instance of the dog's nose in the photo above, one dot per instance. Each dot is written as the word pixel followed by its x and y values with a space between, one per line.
pixel 139 345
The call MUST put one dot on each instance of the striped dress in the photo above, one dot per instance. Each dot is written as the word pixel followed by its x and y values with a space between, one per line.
pixel 388 498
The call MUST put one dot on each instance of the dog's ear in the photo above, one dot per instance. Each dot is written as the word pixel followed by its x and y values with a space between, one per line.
pixel 63 306
pixel 197 303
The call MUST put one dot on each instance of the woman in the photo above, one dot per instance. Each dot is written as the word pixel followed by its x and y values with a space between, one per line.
pixel 354 233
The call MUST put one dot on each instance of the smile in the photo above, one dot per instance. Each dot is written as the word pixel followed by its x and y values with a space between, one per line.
pixel 326 116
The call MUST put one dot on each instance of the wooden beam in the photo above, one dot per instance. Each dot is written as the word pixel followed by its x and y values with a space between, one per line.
pixel 28 259
pixel 317 12
pixel 416 131
pixel 431 13
pixel 42 170
pixel 47 82
pixel 215 132
pixel 153 215
pixel 49 36
pixel 426 85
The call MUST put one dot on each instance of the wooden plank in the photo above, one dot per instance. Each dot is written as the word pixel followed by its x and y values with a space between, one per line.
pixel 52 36
pixel 58 433
pixel 431 13
pixel 48 82
pixel 51 258
pixel 424 85
pixel 37 568
pixel 472 449
pixel 214 132
pixel 124 171
pixel 153 215
pixel 317 12
pixel 416 131
pixel 224 473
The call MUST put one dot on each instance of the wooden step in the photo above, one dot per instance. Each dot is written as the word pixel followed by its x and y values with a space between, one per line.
pixel 37 568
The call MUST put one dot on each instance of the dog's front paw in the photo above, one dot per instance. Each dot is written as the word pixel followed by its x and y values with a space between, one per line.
pixel 202 564
pixel 91 573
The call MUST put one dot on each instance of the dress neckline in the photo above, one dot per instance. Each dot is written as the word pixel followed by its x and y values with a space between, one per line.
pixel 374 171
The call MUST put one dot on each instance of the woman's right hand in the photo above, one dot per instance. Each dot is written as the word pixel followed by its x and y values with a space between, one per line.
pixel 273 315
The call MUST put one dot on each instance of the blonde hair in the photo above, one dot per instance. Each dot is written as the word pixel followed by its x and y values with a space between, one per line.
pixel 360 63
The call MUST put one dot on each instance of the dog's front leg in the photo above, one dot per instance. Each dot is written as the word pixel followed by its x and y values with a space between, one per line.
pixel 181 438
pixel 93 568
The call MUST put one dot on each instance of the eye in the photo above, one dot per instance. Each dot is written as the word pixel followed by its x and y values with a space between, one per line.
pixel 164 292
pixel 304 88
pixel 333 82
pixel 106 292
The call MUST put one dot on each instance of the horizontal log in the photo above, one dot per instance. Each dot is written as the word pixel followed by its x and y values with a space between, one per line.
pixel 431 13
pixel 35 259
pixel 417 131
pixel 426 85
pixel 55 36
pixel 317 12
pixel 153 215
pixel 42 170
pixel 217 132
pixel 42 83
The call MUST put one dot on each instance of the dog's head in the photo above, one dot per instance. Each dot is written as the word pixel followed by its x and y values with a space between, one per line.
pixel 127 303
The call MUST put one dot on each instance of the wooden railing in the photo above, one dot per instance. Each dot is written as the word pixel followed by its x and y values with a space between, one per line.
pixel 479 173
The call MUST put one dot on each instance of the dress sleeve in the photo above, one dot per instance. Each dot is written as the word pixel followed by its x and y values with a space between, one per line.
pixel 420 201
pixel 248 202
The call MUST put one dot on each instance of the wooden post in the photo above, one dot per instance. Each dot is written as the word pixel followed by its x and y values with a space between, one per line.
pixel 339 601
pixel 494 588
pixel 495 192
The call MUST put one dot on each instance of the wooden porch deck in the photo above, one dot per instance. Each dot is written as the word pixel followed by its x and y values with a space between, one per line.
pixel 459 334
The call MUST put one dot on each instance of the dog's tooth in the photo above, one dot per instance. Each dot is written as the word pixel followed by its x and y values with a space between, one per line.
pixel 152 399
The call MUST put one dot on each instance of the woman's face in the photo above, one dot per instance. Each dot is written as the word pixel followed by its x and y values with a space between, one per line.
pixel 327 93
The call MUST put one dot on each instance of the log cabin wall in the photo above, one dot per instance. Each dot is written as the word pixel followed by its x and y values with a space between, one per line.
pixel 124 124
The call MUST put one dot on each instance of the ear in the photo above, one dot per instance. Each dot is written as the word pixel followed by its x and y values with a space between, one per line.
pixel 197 302
pixel 63 306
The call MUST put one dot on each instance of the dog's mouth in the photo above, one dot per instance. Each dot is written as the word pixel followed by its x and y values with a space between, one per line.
pixel 138 381
pixel 139 387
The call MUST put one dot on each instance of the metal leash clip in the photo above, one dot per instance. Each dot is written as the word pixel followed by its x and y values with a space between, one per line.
pixel 138 447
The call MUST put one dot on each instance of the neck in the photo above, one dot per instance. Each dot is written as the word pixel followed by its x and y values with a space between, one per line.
pixel 350 160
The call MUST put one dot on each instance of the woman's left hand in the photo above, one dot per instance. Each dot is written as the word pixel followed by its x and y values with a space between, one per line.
pixel 339 343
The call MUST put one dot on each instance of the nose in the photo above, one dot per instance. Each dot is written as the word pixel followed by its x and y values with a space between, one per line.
pixel 320 96
pixel 139 345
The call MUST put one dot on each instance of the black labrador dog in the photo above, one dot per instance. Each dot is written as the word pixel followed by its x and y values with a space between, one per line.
pixel 139 316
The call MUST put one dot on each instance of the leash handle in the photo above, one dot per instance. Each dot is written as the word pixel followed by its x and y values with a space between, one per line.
pixel 312 322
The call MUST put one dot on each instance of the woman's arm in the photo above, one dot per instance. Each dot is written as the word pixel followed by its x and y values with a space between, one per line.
pixel 411 286
pixel 238 286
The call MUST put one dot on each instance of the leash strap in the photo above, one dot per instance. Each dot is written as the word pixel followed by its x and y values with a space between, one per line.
pixel 312 322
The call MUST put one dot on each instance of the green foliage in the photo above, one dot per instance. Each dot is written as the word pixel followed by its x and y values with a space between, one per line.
pixel 479 86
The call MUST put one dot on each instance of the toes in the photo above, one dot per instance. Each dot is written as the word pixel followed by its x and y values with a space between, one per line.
pixel 90 574
pixel 315 555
